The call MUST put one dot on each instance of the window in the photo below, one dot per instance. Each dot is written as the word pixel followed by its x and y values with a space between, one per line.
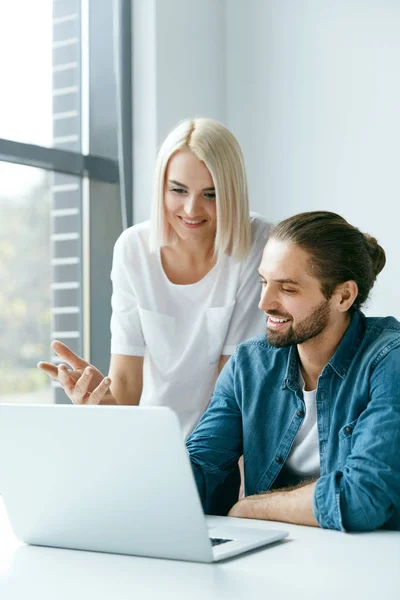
pixel 60 205
pixel 26 72
pixel 25 283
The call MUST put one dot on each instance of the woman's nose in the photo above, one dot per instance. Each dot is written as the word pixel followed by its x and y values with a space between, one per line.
pixel 191 205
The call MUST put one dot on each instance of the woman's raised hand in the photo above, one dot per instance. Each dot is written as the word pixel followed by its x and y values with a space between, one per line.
pixel 84 384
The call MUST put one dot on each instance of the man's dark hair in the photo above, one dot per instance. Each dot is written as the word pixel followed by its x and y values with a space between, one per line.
pixel 338 251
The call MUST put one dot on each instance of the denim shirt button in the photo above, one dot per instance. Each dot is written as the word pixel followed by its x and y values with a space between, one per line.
pixel 300 413
pixel 349 430
pixel 278 459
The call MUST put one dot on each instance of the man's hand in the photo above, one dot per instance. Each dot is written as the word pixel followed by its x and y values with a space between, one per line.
pixel 293 505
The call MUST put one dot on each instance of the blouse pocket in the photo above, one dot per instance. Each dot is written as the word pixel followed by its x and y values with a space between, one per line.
pixel 158 332
pixel 218 320
pixel 345 442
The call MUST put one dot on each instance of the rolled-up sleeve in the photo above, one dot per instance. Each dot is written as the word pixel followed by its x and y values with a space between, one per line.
pixel 126 331
pixel 365 493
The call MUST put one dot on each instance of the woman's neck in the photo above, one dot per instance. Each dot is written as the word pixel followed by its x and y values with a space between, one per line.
pixel 195 251
pixel 187 263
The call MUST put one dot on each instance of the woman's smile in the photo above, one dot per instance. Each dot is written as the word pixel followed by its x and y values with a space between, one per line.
pixel 192 223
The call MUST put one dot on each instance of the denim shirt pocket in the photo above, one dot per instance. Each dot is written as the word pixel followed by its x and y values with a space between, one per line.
pixel 345 442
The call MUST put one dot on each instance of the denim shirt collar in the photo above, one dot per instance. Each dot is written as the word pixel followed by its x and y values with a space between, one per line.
pixel 341 359
pixel 348 346
pixel 291 378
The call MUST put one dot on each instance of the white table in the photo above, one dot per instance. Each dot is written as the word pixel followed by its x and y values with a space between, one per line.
pixel 311 563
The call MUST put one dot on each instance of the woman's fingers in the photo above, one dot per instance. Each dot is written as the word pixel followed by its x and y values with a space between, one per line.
pixel 49 369
pixel 98 394
pixel 78 390
pixel 68 356
pixel 75 383
pixel 67 381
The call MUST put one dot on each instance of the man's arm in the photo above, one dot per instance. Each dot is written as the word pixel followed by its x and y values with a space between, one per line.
pixel 292 505
pixel 365 493
pixel 216 445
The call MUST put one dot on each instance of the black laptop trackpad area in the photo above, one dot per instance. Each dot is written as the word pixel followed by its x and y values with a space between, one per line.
pixel 218 541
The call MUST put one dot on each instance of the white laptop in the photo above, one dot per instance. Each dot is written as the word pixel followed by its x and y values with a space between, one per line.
pixel 110 479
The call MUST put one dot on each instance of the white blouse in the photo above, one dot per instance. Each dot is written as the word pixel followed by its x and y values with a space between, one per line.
pixel 182 330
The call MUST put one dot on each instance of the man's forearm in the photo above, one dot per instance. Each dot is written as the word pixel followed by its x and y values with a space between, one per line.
pixel 290 506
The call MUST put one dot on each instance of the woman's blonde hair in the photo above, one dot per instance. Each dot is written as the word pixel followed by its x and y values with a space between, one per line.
pixel 212 143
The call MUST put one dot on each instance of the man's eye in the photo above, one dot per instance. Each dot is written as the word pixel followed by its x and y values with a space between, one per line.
pixel 288 291
pixel 262 282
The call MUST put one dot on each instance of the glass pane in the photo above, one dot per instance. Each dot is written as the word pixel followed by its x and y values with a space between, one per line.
pixel 40 98
pixel 40 277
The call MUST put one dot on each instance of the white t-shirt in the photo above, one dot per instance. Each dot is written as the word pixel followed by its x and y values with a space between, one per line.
pixel 182 330
pixel 303 459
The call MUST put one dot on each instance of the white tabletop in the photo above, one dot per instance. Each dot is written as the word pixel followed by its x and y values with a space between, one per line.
pixel 311 563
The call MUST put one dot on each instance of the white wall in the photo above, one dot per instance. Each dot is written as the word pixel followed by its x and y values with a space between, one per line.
pixel 314 99
pixel 179 71
pixel 311 89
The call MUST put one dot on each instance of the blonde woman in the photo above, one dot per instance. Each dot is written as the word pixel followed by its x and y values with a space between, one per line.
pixel 184 283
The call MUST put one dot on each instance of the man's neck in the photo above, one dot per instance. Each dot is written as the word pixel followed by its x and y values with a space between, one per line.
pixel 317 352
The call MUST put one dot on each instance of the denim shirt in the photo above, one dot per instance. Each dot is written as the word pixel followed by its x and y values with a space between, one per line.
pixel 257 409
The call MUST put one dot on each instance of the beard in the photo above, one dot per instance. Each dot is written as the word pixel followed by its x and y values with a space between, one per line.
pixel 307 329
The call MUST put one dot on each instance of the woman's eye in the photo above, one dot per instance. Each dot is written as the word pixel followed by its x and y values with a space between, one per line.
pixel 210 195
pixel 262 282
pixel 178 190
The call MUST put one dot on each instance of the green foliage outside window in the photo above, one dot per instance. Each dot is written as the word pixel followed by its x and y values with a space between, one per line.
pixel 25 288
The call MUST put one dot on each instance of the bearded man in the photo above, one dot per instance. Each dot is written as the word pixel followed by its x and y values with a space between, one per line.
pixel 313 406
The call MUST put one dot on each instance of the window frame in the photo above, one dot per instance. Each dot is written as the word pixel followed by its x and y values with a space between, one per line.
pixel 103 164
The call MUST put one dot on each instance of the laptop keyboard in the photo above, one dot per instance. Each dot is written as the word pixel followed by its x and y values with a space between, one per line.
pixel 218 541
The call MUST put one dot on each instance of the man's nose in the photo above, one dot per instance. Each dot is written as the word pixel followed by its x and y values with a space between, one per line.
pixel 267 298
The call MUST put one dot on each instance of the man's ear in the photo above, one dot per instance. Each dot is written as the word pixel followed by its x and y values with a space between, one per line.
pixel 345 295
